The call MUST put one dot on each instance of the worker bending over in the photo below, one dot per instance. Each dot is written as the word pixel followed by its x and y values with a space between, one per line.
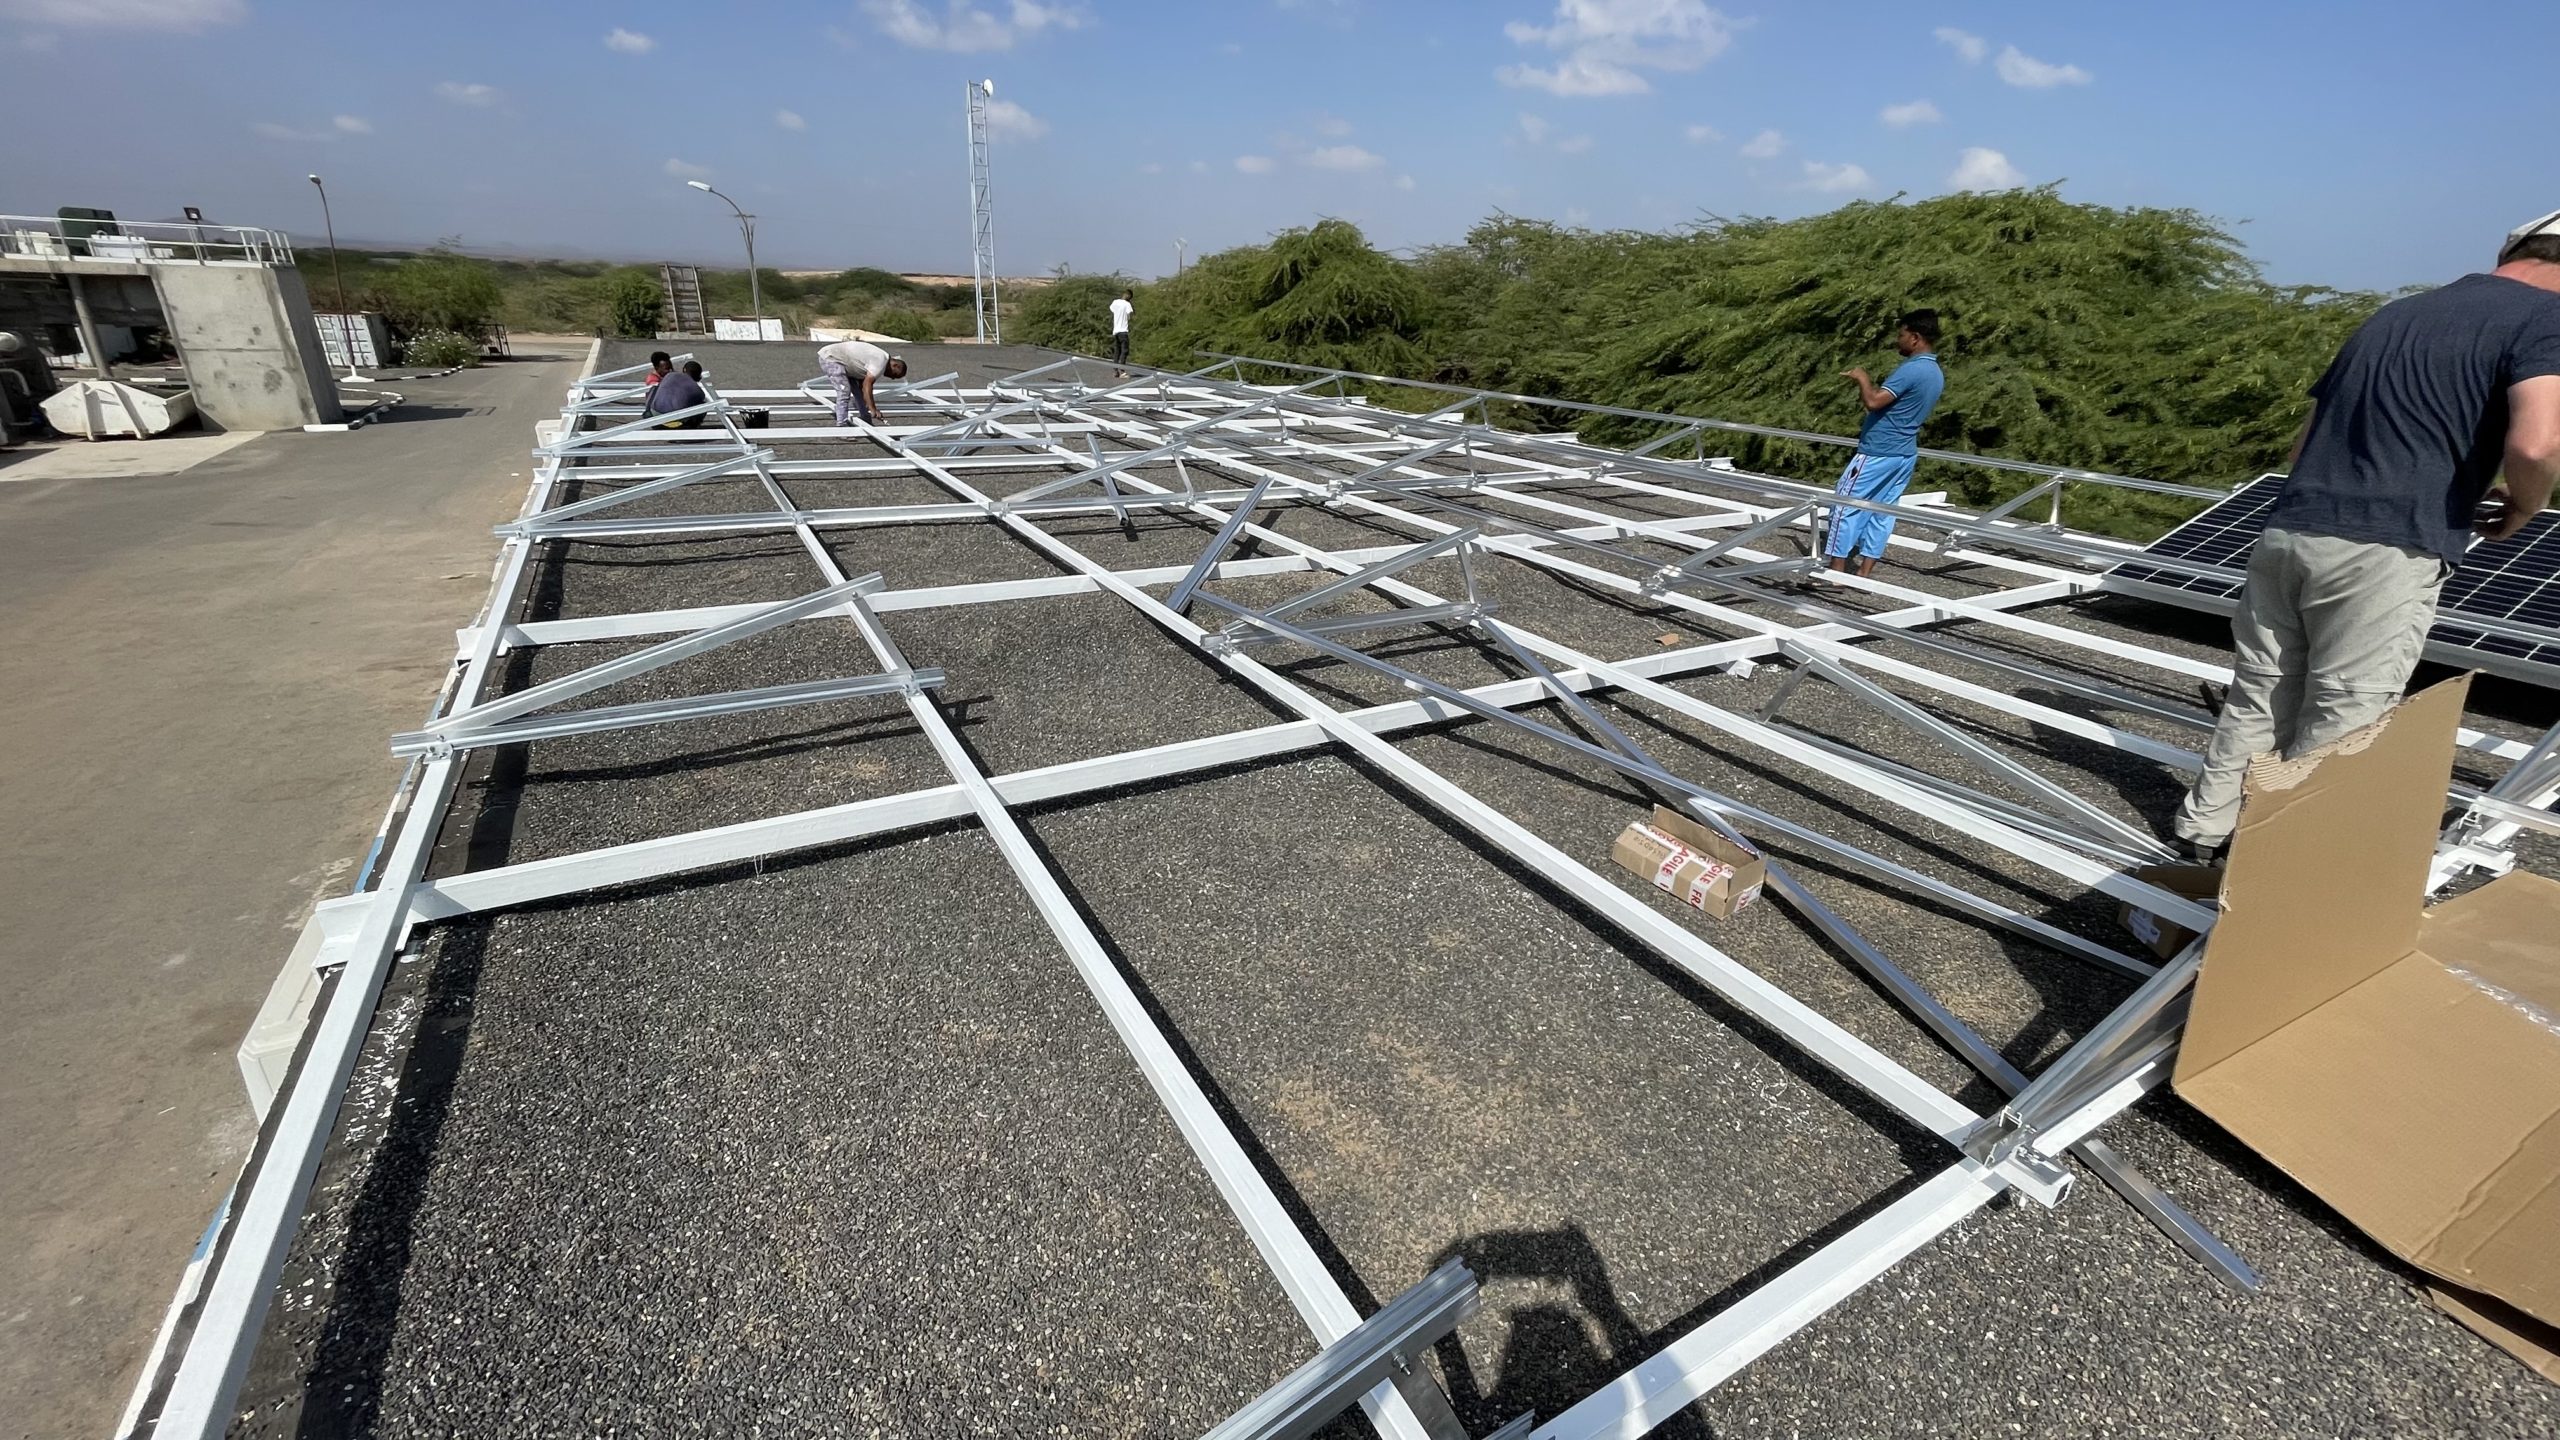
pixel 1888 443
pixel 2427 402
pixel 854 368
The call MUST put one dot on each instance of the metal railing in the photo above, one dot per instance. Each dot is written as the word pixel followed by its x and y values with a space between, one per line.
pixel 1691 426
pixel 148 242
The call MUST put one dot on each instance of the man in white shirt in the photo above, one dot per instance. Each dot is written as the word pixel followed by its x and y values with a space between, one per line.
pixel 1120 309
pixel 854 367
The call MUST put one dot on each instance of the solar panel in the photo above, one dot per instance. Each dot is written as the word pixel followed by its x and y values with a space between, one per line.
pixel 2515 580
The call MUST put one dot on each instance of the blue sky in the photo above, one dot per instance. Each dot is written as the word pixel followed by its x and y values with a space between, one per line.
pixel 2354 143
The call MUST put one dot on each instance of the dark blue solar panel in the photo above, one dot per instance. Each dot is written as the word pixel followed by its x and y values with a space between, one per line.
pixel 2516 579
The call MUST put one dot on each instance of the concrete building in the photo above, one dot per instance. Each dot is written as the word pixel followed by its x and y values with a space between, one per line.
pixel 228 299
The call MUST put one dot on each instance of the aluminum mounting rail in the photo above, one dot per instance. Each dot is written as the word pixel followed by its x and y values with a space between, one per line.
pixel 1390 1343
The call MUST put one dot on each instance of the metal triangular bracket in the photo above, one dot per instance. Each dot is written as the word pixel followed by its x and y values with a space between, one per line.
pixel 515 718
pixel 1250 627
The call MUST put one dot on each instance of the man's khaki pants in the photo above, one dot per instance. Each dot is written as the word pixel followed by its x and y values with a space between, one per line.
pixel 2327 634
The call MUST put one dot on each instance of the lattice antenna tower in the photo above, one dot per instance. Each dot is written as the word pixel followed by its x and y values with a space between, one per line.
pixel 982 214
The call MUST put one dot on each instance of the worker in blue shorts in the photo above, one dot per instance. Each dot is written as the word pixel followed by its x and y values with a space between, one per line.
pixel 1888 443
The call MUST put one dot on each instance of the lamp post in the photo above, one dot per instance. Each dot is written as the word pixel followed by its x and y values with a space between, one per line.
pixel 746 227
pixel 338 277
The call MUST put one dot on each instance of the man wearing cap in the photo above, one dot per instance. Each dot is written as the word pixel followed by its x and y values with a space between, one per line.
pixel 854 367
pixel 2427 403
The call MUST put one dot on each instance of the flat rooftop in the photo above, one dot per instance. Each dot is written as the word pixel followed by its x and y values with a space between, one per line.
pixel 838 1142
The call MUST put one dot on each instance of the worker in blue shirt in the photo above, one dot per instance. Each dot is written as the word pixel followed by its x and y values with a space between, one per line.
pixel 1888 443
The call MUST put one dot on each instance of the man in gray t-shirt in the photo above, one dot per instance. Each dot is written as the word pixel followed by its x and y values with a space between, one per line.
pixel 853 368
pixel 2427 404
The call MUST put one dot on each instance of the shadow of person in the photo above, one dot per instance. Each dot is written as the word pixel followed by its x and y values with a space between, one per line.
pixel 1556 1350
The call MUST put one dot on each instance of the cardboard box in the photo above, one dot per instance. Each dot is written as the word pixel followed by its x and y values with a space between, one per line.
pixel 2403 1064
pixel 2166 938
pixel 1692 862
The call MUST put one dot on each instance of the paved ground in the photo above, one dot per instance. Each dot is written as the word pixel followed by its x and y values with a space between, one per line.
pixel 201 671
pixel 830 1144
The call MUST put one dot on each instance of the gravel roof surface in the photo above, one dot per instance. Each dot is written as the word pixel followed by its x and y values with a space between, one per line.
pixel 839 1144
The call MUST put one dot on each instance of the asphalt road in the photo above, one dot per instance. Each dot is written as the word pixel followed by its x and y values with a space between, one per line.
pixel 837 1145
pixel 201 671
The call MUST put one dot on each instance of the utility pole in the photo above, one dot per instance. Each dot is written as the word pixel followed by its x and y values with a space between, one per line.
pixel 982 217
pixel 1179 245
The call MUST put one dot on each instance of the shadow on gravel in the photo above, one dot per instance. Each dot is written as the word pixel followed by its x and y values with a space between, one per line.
pixel 1551 1356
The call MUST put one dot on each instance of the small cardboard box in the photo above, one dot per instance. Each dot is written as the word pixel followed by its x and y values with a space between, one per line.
pixel 2167 937
pixel 1692 862
pixel 2402 1063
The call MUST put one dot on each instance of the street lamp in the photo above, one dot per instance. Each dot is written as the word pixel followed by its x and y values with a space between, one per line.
pixel 746 227
pixel 346 321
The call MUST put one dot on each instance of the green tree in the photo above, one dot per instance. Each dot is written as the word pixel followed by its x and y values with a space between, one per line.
pixel 443 290
pixel 635 305
pixel 1072 312
pixel 1318 296
pixel 2139 340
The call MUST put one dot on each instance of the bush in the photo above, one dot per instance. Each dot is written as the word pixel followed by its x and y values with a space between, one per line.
pixel 442 290
pixel 1318 296
pixel 1072 312
pixel 635 305
pixel 441 349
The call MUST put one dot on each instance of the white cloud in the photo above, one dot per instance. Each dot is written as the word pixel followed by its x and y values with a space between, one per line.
pixel 1536 132
pixel 2029 73
pixel 683 171
pixel 1333 127
pixel 1983 168
pixel 1903 117
pixel 178 15
pixel 1703 134
pixel 789 120
pixel 964 28
pixel 462 94
pixel 1404 182
pixel 1008 121
pixel 1767 145
pixel 629 42
pixel 1152 167
pixel 352 124
pixel 1231 48
pixel 38 42
pixel 1344 157
pixel 270 130
pixel 1835 179
pixel 1606 42
pixel 1576 216
pixel 1199 167
pixel 1969 47
pixel 1254 164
